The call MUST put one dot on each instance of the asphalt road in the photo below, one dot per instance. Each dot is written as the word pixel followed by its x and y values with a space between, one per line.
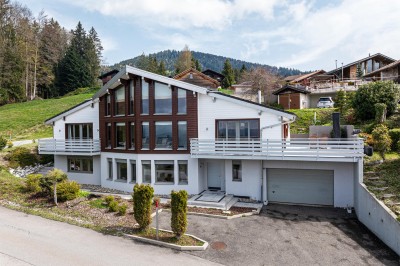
pixel 32 240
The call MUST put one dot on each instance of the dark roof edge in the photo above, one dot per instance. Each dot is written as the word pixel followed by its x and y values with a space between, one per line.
pixel 360 60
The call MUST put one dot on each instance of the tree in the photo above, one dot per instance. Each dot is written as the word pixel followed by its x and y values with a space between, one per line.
pixel 359 72
pixel 49 182
pixel 184 60
pixel 263 80
pixel 229 74
pixel 161 69
pixel 341 100
pixel 196 64
pixel 178 212
pixel 382 140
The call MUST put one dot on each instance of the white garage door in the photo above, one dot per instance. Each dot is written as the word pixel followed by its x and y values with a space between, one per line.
pixel 300 186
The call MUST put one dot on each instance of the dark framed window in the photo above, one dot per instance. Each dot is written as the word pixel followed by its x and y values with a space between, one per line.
pixel 108 135
pixel 238 129
pixel 108 105
pixel 163 135
pixel 110 168
pixel 122 170
pixel 183 172
pixel 133 171
pixel 80 131
pixel 145 97
pixel 132 135
pixel 164 171
pixel 146 172
pixel 182 101
pixel 236 171
pixel 162 98
pixel 80 164
pixel 132 97
pixel 120 135
pixel 182 135
pixel 145 136
pixel 119 101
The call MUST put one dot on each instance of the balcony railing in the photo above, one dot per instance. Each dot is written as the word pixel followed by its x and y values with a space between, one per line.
pixel 69 146
pixel 273 149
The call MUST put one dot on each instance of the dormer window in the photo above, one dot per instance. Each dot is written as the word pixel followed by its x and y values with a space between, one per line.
pixel 191 75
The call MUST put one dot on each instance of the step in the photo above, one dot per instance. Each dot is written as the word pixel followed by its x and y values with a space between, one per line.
pixel 231 203
pixel 206 204
pixel 378 183
pixel 371 178
pixel 380 188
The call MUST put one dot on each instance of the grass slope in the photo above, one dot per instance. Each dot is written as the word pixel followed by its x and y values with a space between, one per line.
pixel 305 118
pixel 26 120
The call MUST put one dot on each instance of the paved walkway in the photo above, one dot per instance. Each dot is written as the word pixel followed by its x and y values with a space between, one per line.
pixel 32 240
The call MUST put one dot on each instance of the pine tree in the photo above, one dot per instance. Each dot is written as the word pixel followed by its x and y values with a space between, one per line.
pixel 161 69
pixel 94 54
pixel 359 72
pixel 229 74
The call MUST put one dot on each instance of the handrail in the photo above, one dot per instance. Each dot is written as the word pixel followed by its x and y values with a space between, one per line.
pixel 58 146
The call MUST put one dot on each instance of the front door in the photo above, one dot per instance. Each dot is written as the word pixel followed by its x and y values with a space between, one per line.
pixel 214 174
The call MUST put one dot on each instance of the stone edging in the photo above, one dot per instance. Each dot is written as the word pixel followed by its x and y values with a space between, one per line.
pixel 225 217
pixel 169 245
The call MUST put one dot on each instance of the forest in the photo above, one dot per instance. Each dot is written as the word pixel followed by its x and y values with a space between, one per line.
pixel 39 58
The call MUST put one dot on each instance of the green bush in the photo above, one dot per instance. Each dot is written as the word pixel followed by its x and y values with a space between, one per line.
pixel 67 190
pixel 108 199
pixel 113 206
pixel 395 136
pixel 32 183
pixel 52 176
pixel 10 144
pixel 3 142
pixel 276 106
pixel 46 158
pixel 382 141
pixel 122 209
pixel 178 212
pixel 142 199
pixel 22 156
pixel 341 100
pixel 380 112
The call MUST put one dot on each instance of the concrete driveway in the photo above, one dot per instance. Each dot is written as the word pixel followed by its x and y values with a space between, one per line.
pixel 289 235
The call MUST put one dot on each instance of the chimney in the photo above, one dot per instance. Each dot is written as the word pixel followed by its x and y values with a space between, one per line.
pixel 259 96
pixel 336 125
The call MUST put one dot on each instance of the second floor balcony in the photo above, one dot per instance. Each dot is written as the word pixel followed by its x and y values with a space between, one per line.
pixel 86 147
pixel 324 149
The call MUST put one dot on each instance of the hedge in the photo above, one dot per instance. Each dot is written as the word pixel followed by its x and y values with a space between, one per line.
pixel 178 212
pixel 395 136
pixel 67 190
pixel 142 199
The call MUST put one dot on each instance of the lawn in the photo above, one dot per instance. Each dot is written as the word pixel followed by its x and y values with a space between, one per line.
pixel 26 120
pixel 305 118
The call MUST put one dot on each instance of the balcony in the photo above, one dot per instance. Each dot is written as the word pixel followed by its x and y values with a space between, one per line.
pixel 88 147
pixel 330 86
pixel 335 150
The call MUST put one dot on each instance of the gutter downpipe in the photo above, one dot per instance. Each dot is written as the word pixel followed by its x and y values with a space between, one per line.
pixel 274 125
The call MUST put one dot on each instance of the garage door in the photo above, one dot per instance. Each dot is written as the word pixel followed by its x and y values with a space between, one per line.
pixel 300 186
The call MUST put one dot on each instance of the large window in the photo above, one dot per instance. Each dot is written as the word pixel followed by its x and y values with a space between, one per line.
pixel 145 97
pixel 132 136
pixel 119 100
pixel 163 135
pixel 131 97
pixel 162 99
pixel 164 171
pixel 122 170
pixel 145 136
pixel 182 135
pixel 108 135
pixel 133 171
pixel 108 105
pixel 236 171
pixel 146 172
pixel 80 164
pixel 110 168
pixel 238 129
pixel 181 101
pixel 79 131
pixel 120 135
pixel 183 172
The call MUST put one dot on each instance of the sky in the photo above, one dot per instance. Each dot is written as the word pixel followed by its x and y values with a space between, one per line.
pixel 301 34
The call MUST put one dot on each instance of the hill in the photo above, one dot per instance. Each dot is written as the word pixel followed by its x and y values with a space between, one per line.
pixel 207 61
pixel 26 120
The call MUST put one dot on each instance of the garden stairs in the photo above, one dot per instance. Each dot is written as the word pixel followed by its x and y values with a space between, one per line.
pixel 212 199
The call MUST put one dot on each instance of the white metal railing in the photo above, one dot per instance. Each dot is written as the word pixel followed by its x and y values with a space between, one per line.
pixel 69 146
pixel 277 148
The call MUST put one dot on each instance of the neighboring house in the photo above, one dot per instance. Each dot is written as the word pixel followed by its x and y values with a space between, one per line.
pixel 214 75
pixel 303 79
pixel 145 128
pixel 106 77
pixel 246 91
pixel 388 72
pixel 196 77
pixel 293 97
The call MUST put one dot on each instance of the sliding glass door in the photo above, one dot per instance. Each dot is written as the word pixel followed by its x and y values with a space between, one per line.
pixel 238 129
pixel 79 131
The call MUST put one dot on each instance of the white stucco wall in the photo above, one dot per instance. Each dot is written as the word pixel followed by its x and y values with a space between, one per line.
pixel 304 98
pixel 61 162
pixel 210 111
pixel 344 175
pixel 86 115
pixel 193 183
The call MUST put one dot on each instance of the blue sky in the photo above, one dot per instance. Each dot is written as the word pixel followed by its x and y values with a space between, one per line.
pixel 302 34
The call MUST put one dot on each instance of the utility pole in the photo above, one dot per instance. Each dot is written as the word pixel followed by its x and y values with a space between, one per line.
pixel 342 71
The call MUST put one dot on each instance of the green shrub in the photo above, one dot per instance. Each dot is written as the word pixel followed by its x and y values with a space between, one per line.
pixel 367 138
pixel 380 112
pixel 382 141
pixel 52 176
pixel 83 194
pixel 10 144
pixel 108 199
pixel 122 209
pixel 3 142
pixel 178 212
pixel 113 206
pixel 67 190
pixel 22 156
pixel 46 158
pixel 341 100
pixel 142 199
pixel 395 136
pixel 32 183
pixel 276 106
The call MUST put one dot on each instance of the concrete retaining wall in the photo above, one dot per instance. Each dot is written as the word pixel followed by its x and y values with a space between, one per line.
pixel 378 218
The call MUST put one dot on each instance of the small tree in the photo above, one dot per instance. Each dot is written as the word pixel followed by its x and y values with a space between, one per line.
pixel 380 112
pixel 359 72
pixel 142 199
pixel 340 101
pixel 382 140
pixel 49 182
pixel 229 74
pixel 178 212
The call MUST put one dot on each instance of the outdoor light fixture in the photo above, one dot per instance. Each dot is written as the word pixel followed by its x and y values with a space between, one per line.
pixel 194 94
pixel 214 99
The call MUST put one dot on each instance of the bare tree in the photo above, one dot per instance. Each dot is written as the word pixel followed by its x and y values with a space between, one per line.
pixel 184 60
